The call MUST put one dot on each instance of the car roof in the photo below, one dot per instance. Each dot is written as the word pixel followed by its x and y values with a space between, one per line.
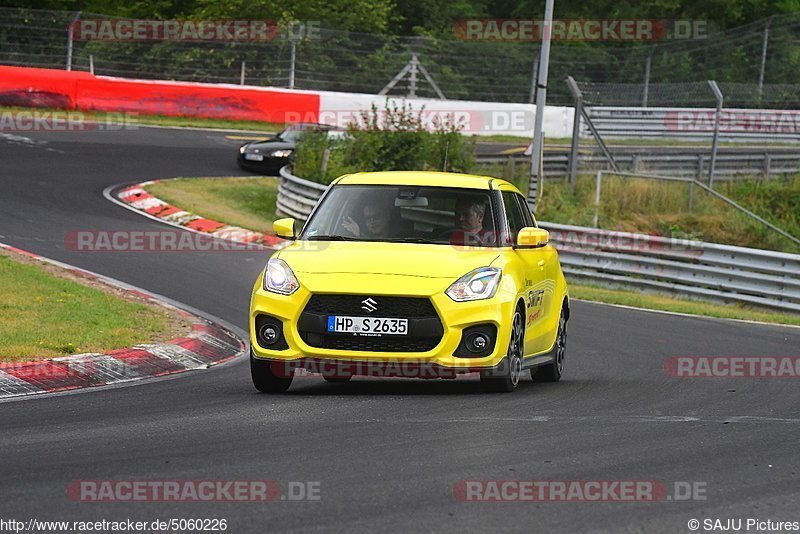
pixel 429 178
pixel 312 125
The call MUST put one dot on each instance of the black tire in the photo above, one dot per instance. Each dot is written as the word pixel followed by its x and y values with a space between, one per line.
pixel 552 372
pixel 265 378
pixel 506 377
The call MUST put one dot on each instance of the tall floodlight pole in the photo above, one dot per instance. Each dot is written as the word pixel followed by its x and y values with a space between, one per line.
pixel 541 97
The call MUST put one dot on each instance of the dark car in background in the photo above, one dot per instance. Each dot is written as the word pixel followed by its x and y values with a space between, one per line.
pixel 267 156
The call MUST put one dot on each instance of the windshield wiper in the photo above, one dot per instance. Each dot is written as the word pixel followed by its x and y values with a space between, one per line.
pixel 411 240
pixel 331 238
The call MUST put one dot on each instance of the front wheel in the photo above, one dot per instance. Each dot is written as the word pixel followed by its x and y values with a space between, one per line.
pixel 552 371
pixel 269 377
pixel 506 377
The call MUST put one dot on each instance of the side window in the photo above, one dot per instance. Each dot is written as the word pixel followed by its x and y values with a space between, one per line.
pixel 526 211
pixel 516 219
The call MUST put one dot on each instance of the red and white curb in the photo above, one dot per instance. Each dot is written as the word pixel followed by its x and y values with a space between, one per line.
pixel 138 198
pixel 209 343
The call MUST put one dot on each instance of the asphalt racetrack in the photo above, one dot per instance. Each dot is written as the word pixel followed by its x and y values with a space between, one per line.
pixel 384 454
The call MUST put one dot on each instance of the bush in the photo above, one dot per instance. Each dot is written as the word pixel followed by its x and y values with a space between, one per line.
pixel 394 139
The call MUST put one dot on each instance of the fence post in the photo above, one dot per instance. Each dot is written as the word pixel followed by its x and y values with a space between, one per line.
pixel 541 100
pixel 699 167
pixel 534 78
pixel 293 57
pixel 648 60
pixel 69 39
pixel 597 198
pixel 763 59
pixel 576 131
pixel 326 155
pixel 91 64
pixel 241 75
pixel 712 164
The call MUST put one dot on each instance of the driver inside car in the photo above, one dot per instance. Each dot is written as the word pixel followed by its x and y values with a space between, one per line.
pixel 377 214
pixel 469 215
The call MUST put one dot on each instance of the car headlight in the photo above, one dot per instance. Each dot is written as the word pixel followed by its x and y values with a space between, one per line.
pixel 242 149
pixel 279 278
pixel 285 153
pixel 482 283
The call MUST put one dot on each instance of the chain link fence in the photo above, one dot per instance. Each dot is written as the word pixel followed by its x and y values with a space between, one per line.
pixel 690 94
pixel 757 65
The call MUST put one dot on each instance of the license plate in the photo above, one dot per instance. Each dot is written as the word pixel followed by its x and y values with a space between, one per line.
pixel 254 157
pixel 345 324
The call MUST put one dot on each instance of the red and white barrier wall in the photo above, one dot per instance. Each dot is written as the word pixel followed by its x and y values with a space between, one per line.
pixel 21 86
pixel 74 90
pixel 478 118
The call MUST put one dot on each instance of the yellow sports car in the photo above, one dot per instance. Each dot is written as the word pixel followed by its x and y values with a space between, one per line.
pixel 411 274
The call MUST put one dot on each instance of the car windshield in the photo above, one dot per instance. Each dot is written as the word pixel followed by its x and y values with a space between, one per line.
pixel 406 214
pixel 291 134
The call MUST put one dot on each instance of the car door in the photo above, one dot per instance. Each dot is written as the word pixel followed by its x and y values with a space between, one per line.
pixel 548 317
pixel 534 264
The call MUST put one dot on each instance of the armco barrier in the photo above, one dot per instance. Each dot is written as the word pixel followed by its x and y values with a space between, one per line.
pixel 709 271
pixel 704 270
pixel 22 86
pixel 695 124
pixel 296 196
pixel 769 161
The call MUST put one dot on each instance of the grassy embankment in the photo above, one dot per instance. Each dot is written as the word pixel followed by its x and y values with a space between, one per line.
pixel 47 312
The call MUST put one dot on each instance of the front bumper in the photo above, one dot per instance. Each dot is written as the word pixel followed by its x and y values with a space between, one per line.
pixel 454 317
pixel 269 163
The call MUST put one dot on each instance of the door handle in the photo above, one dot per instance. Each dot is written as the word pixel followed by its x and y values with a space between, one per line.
pixel 540 263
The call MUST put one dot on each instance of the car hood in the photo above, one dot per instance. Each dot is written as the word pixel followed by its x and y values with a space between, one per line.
pixel 400 259
pixel 268 146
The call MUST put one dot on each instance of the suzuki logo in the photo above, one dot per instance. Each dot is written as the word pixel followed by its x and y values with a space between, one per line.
pixel 369 305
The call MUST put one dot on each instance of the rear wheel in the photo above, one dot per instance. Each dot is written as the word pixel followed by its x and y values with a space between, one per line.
pixel 269 377
pixel 507 376
pixel 552 371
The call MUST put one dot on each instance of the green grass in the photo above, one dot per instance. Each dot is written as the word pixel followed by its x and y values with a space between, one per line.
pixel 245 202
pixel 48 316
pixel 667 303
pixel 161 120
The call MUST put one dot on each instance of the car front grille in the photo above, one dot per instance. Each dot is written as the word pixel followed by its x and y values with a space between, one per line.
pixel 425 327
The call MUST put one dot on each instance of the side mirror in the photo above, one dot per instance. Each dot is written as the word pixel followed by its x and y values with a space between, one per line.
pixel 532 237
pixel 284 228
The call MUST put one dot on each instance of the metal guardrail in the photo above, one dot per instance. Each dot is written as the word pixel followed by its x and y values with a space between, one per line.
pixel 296 196
pixel 689 162
pixel 705 270
pixel 695 124
pixel 708 271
